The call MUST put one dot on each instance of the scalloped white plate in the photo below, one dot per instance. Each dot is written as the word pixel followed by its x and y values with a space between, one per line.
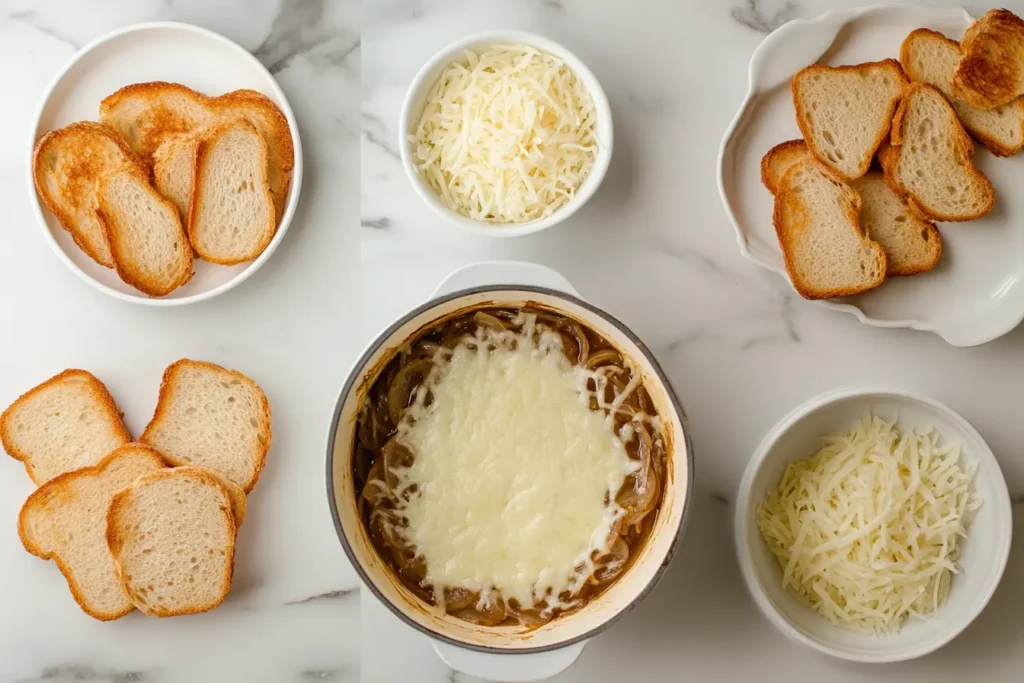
pixel 974 295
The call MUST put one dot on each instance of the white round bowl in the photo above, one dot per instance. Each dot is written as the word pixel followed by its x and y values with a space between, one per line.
pixel 984 551
pixel 412 109
pixel 159 51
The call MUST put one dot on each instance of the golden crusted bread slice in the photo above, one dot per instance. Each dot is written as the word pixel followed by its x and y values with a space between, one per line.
pixel 213 418
pixel 231 217
pixel 912 245
pixel 929 160
pixel 844 112
pixel 66 519
pixel 147 113
pixel 991 71
pixel 67 165
pixel 151 251
pixel 67 422
pixel 931 57
pixel 172 537
pixel 826 252
pixel 235 493
pixel 174 163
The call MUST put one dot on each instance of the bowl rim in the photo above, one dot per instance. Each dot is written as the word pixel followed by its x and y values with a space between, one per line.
pixel 503 230
pixel 350 383
pixel 294 188
pixel 752 578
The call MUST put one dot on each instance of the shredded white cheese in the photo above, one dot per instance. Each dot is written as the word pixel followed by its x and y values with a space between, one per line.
pixel 506 136
pixel 867 531
pixel 513 483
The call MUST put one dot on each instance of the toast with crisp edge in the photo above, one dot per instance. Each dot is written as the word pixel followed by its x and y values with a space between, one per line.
pixel 844 112
pixel 991 71
pixel 65 520
pixel 71 406
pixel 931 57
pixel 173 171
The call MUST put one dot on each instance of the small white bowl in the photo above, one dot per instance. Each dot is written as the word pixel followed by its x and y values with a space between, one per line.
pixel 984 551
pixel 412 109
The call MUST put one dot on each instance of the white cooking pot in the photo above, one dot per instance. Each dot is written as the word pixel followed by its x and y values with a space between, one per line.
pixel 509 653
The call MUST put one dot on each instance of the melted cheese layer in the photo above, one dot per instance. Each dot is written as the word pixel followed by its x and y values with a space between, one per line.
pixel 515 476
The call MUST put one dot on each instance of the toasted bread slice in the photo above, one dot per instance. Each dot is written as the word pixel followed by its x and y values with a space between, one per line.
pixel 235 493
pixel 991 71
pixel 844 112
pixel 66 518
pixel 67 165
pixel 172 538
pixel 929 160
pixel 213 418
pixel 231 217
pixel 151 251
pixel 816 220
pixel 912 245
pixel 147 113
pixel 67 422
pixel 931 58
pixel 174 165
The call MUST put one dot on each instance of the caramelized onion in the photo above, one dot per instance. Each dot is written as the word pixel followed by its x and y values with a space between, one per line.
pixel 611 565
pixel 457 599
pixel 376 491
pixel 395 457
pixel 487 320
pixel 401 389
pixel 602 357
pixel 491 614
pixel 529 617
pixel 575 333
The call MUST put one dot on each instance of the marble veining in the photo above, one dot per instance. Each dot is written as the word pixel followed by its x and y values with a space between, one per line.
pixel 299 28
pixel 753 15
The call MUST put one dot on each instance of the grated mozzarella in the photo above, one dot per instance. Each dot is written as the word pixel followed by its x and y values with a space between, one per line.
pixel 506 136
pixel 867 531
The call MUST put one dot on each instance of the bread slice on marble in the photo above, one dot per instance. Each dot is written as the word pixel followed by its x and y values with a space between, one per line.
pixel 171 534
pixel 929 160
pixel 235 493
pixel 213 418
pixel 991 71
pixel 816 221
pixel 67 422
pixel 931 57
pixel 844 112
pixel 65 520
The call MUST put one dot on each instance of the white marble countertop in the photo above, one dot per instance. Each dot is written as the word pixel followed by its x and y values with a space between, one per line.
pixel 292 614
pixel 655 248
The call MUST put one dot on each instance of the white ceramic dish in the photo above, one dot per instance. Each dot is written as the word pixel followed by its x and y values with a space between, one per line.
pixel 412 109
pixel 975 294
pixel 507 654
pixel 985 550
pixel 161 51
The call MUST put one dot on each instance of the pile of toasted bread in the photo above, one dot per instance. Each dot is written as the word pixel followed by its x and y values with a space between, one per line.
pixel 167 172
pixel 148 524
pixel 844 227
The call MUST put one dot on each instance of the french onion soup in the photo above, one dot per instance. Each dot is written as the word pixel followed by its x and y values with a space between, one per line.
pixel 510 464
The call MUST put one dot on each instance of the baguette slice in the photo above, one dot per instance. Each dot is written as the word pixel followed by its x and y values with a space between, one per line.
pixel 147 113
pixel 65 520
pixel 174 164
pixel 929 160
pixel 231 217
pixel 67 422
pixel 991 71
pixel 931 58
pixel 172 538
pixel 151 251
pixel 912 245
pixel 844 112
pixel 67 165
pixel 213 418
pixel 826 252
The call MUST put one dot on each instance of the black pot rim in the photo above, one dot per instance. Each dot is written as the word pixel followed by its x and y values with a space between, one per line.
pixel 350 384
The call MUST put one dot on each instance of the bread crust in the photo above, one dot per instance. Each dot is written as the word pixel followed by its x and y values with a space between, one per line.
pixel 235 493
pixel 116 539
pixel 805 127
pixel 99 391
pixel 992 144
pixel 888 157
pixel 167 388
pixel 989 73
pixel 54 487
pixel 787 147
pixel 198 178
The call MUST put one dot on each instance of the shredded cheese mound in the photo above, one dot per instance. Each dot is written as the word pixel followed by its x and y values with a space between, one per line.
pixel 506 136
pixel 511 492
pixel 868 530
